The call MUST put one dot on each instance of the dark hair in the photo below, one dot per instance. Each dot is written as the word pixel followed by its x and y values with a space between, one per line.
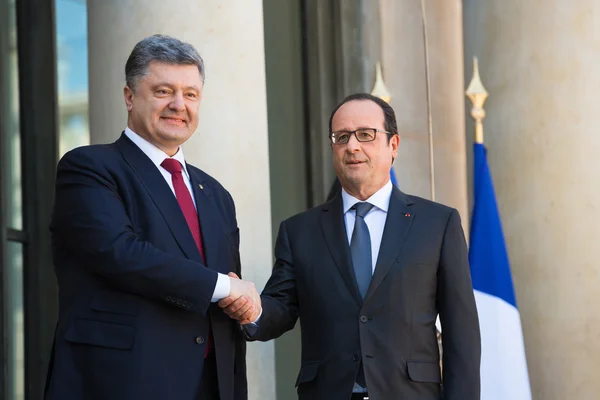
pixel 390 124
pixel 160 48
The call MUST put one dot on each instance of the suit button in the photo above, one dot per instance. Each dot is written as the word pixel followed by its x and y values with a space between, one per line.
pixel 200 340
pixel 356 357
pixel 363 319
pixel 179 302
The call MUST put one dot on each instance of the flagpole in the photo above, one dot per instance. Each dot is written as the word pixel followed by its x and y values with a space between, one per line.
pixel 428 95
pixel 477 94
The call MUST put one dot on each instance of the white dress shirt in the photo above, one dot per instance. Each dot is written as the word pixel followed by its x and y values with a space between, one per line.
pixel 157 156
pixel 375 220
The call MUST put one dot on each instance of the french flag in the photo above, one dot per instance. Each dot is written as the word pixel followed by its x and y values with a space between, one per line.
pixel 504 373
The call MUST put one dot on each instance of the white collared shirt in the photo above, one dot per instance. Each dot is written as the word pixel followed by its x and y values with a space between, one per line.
pixel 375 218
pixel 157 156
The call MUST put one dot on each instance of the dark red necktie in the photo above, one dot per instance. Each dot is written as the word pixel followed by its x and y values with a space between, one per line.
pixel 184 198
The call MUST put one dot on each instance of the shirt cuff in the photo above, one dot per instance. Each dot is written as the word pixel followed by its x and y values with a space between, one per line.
pixel 255 323
pixel 252 327
pixel 222 288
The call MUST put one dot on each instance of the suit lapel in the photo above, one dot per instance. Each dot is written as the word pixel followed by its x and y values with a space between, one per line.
pixel 210 224
pixel 334 230
pixel 161 195
pixel 399 219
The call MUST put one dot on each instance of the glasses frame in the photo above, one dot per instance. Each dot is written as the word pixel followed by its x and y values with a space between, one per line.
pixel 350 133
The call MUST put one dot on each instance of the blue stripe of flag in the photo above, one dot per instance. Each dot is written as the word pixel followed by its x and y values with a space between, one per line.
pixel 393 177
pixel 490 267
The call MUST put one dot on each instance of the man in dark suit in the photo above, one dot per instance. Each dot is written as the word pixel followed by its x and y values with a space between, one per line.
pixel 143 243
pixel 367 273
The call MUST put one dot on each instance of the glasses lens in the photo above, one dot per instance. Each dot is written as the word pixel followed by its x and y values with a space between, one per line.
pixel 340 137
pixel 365 135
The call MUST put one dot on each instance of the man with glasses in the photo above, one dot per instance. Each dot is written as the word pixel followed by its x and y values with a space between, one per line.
pixel 367 273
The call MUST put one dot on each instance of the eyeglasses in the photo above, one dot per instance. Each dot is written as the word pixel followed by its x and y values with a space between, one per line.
pixel 362 135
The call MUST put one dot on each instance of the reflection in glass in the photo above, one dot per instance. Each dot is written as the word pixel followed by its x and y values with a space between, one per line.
pixel 72 56
pixel 13 303
pixel 11 168
pixel 11 267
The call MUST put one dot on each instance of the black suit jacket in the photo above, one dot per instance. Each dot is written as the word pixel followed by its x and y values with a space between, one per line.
pixel 134 295
pixel 422 270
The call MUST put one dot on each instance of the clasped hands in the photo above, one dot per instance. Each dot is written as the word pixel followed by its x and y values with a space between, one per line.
pixel 243 303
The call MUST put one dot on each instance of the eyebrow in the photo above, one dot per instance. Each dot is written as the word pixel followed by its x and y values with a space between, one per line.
pixel 349 130
pixel 193 87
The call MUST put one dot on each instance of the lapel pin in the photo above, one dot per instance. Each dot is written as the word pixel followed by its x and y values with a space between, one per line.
pixel 201 187
pixel 407 214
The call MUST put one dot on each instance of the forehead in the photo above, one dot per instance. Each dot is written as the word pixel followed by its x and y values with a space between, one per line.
pixel 187 75
pixel 358 114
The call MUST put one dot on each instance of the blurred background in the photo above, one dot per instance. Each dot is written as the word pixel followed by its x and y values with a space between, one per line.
pixel 275 70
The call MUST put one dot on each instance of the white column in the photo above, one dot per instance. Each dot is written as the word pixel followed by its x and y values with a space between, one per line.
pixel 405 74
pixel 539 62
pixel 231 142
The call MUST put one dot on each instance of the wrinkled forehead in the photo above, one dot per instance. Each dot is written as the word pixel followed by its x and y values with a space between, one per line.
pixel 181 74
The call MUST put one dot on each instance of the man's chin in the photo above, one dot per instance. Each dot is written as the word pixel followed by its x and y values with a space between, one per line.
pixel 182 134
pixel 355 173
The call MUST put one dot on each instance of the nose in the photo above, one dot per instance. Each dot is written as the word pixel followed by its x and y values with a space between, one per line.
pixel 353 144
pixel 177 103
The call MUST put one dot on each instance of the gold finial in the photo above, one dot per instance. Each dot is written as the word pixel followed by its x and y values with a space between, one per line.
pixel 379 89
pixel 477 94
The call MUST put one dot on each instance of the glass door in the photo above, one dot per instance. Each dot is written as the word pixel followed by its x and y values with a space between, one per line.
pixel 11 193
pixel 28 157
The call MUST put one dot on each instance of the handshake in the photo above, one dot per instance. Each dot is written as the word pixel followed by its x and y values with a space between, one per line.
pixel 243 303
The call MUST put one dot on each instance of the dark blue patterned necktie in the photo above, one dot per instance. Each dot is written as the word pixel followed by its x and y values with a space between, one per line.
pixel 360 247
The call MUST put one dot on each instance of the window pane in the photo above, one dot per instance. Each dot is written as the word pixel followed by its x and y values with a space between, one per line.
pixel 72 49
pixel 13 303
pixel 11 160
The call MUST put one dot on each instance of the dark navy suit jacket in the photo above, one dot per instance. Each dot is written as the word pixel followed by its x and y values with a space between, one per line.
pixel 422 270
pixel 134 294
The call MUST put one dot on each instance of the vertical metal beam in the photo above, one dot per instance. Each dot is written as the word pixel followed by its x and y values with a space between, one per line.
pixel 350 47
pixel 371 38
pixel 3 90
pixel 37 91
pixel 342 46
pixel 321 92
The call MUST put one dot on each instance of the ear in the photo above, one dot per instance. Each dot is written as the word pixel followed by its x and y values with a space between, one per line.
pixel 395 142
pixel 128 95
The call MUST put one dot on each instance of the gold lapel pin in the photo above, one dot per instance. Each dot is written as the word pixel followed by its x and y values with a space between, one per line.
pixel 201 187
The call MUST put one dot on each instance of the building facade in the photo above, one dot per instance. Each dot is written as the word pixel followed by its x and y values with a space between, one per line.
pixel 275 70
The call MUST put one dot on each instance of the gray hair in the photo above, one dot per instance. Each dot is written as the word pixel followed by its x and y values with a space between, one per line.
pixel 159 48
